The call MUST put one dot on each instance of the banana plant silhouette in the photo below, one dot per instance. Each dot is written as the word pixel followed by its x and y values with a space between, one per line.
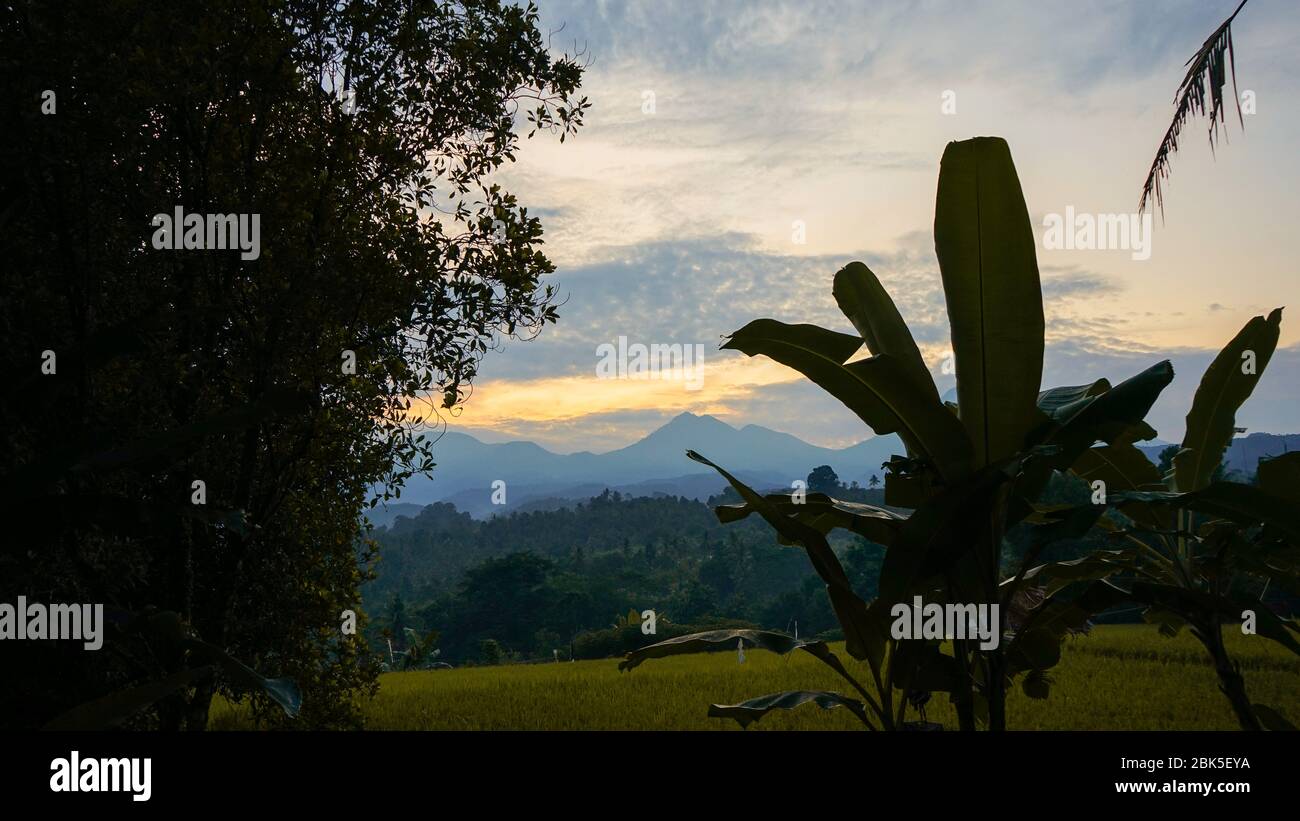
pixel 1194 543
pixel 972 469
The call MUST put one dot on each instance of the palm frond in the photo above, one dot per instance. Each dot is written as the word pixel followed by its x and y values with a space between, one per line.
pixel 1213 62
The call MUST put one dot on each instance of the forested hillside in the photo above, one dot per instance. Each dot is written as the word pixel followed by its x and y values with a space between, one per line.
pixel 532 581
pixel 528 583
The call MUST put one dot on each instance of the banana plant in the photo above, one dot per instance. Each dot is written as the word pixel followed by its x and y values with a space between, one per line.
pixel 1190 541
pixel 971 469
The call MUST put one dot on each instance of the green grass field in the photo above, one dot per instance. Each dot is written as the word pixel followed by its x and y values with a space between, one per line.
pixel 1116 678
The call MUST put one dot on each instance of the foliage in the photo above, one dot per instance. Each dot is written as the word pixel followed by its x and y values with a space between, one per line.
pixel 972 470
pixel 1211 64
pixel 382 233
pixel 1202 550
pixel 548 578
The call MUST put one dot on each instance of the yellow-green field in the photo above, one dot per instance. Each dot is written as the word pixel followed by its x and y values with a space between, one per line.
pixel 1116 678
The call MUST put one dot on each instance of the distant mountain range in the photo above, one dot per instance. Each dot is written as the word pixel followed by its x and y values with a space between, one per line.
pixel 1244 453
pixel 466 467
pixel 536 478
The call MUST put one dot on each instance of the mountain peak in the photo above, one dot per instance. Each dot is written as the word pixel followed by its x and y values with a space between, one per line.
pixel 692 421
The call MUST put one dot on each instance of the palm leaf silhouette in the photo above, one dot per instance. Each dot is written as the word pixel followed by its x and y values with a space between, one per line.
pixel 1213 62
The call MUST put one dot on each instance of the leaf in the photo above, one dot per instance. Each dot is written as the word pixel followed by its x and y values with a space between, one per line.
pixel 1100 564
pixel 1244 504
pixel 878 389
pixel 283 691
pixel 1114 416
pixel 1037 644
pixel 987 255
pixel 1280 476
pixel 114 708
pixel 747 712
pixel 876 524
pixel 865 633
pixel 1052 400
pixel 1069 523
pixel 1200 607
pixel 868 306
pixel 1110 416
pixel 1123 467
pixel 1207 63
pixel 1223 389
pixel 779 643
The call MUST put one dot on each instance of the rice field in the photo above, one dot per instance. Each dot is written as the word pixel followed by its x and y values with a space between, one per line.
pixel 1123 677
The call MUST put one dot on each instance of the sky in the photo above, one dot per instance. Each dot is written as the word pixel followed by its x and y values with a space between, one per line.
pixel 786 139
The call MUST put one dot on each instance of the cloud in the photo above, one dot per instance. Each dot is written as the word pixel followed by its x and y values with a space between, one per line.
pixel 677 226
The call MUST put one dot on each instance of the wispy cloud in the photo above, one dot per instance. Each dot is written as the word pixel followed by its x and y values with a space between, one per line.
pixel 775 122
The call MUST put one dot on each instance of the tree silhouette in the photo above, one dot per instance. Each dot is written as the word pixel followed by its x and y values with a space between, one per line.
pixel 823 480
pixel 365 137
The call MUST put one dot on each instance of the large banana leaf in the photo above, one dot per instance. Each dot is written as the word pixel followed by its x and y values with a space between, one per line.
pixel 1036 646
pixel 114 708
pixel 283 691
pixel 876 524
pixel 1113 416
pixel 1069 523
pixel 1223 389
pixel 167 628
pixel 1052 400
pixel 1244 504
pixel 939 533
pixel 868 306
pixel 747 712
pixel 779 643
pixel 1123 467
pixel 1110 416
pixel 1100 564
pixel 879 390
pixel 987 256
pixel 1200 606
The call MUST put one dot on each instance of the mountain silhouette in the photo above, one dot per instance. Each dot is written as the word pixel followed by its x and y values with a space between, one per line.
pixel 466 467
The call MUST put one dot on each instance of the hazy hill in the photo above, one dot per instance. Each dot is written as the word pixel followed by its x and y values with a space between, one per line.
pixel 1245 451
pixel 657 464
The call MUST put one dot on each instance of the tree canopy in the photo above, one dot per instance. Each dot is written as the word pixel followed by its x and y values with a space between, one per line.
pixel 366 137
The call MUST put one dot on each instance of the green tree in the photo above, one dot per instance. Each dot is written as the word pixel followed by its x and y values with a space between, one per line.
pixel 385 241
pixel 823 480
